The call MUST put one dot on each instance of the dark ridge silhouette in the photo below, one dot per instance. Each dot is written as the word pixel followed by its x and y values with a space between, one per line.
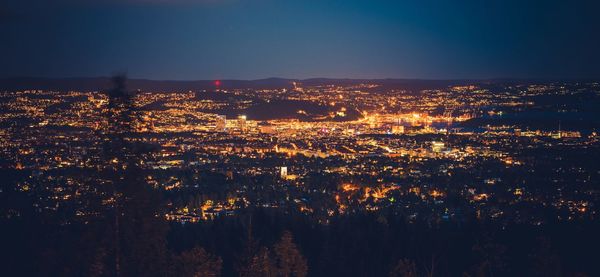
pixel 103 83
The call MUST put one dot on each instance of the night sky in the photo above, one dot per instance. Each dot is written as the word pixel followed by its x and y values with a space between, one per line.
pixel 250 39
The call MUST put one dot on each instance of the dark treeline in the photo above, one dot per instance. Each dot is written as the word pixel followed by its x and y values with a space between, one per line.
pixel 372 245
pixel 247 245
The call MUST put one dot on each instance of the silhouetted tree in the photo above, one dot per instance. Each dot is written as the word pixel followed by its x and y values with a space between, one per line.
pixel 546 261
pixel 490 255
pixel 404 268
pixel 139 229
pixel 288 259
pixel 431 266
pixel 259 265
pixel 195 263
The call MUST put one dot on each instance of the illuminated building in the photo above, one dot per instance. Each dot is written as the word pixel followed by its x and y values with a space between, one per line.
pixel 266 129
pixel 242 123
pixel 437 146
pixel 221 123
pixel 397 129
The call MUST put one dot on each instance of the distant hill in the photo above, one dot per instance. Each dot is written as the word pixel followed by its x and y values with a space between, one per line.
pixel 102 83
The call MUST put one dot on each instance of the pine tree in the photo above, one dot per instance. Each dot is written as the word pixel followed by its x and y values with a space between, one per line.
pixel 546 260
pixel 259 265
pixel 491 258
pixel 196 263
pixel 252 263
pixel 139 231
pixel 404 268
pixel 288 259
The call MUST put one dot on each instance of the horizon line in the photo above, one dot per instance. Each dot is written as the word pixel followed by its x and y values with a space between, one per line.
pixel 314 78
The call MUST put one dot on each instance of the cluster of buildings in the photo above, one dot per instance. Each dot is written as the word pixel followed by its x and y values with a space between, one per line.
pixel 346 149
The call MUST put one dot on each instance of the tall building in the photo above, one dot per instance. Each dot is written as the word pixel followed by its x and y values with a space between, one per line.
pixel 283 172
pixel 242 123
pixel 221 123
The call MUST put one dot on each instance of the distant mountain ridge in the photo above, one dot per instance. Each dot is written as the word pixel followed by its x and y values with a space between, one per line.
pixel 103 83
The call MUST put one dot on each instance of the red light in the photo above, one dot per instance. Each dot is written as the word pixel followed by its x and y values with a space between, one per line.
pixel 217 83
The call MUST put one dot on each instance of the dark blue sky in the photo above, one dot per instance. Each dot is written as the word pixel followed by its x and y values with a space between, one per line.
pixel 249 39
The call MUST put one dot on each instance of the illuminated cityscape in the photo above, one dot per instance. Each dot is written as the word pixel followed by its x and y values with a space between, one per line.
pixel 448 156
pixel 371 149
pixel 197 138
